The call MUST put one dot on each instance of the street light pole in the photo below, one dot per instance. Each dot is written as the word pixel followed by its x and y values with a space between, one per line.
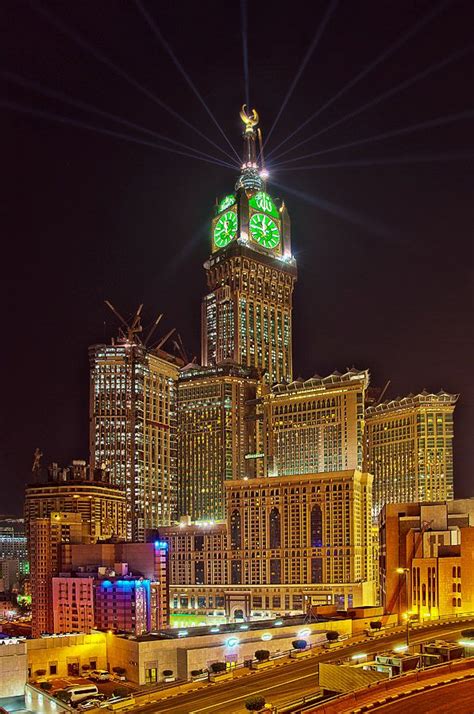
pixel 405 571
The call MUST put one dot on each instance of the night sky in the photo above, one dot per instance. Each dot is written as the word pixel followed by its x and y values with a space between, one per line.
pixel 384 249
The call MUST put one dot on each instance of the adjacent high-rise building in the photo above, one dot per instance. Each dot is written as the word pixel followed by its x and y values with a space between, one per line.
pixel 13 542
pixel 410 448
pixel 315 426
pixel 216 435
pixel 80 489
pixel 246 316
pixel 133 428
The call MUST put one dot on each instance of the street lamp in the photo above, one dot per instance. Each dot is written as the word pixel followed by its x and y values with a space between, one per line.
pixel 405 571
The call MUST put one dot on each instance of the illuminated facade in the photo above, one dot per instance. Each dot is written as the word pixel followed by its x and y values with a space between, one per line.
pixel 432 544
pixel 289 541
pixel 410 448
pixel 79 489
pixel 133 429
pixel 73 604
pixel 246 317
pixel 216 433
pixel 315 426
pixel 123 604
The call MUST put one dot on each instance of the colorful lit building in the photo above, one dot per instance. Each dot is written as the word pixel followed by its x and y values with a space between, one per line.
pixel 409 448
pixel 133 428
pixel 427 558
pixel 123 605
pixel 216 433
pixel 46 535
pixel 73 604
pixel 246 316
pixel 13 542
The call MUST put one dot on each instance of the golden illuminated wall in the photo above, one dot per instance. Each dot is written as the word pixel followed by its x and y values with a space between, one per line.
pixel 133 430
pixel 409 449
pixel 313 528
pixel 215 433
pixel 247 316
pixel 315 426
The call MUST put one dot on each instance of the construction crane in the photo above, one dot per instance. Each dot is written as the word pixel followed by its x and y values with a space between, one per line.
pixel 130 331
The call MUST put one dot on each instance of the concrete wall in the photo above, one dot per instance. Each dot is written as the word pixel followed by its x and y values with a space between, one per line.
pixel 13 666
pixel 37 701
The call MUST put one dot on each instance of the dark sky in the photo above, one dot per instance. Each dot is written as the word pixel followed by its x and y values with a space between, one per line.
pixel 384 250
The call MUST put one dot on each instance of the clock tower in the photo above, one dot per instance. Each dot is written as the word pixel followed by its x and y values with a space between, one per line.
pixel 246 317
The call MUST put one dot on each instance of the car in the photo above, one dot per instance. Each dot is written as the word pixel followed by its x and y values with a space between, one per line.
pixel 89 704
pixel 100 675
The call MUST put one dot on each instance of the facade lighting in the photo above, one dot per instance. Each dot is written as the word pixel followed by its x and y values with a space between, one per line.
pixel 266 636
pixel 232 642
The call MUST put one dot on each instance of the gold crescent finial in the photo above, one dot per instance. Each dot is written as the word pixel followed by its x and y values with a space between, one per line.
pixel 249 120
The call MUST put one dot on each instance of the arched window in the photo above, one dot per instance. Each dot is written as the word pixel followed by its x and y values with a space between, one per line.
pixel 275 528
pixel 459 602
pixel 459 571
pixel 454 571
pixel 316 527
pixel 235 530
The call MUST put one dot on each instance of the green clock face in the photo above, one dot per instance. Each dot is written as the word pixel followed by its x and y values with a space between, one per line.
pixel 264 230
pixel 264 203
pixel 225 229
pixel 226 202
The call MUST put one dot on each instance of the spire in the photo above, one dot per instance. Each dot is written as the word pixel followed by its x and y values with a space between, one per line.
pixel 250 177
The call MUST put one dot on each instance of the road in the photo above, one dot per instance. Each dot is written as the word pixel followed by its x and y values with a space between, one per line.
pixel 284 682
pixel 455 697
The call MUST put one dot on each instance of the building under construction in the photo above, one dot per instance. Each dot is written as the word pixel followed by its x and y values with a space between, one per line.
pixel 133 423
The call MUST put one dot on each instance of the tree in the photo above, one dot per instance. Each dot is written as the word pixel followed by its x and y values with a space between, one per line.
pixel 299 644
pixel 376 625
pixel 468 633
pixel 120 692
pixel 332 635
pixel 196 672
pixel 86 667
pixel 255 703
pixel 46 686
pixel 262 655
pixel 119 670
pixel 40 672
pixel 167 673
pixel 218 667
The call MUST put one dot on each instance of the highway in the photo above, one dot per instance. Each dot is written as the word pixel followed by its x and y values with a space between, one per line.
pixel 454 697
pixel 291 680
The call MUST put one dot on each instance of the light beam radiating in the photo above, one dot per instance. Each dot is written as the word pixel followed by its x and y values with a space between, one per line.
pixel 245 49
pixel 48 92
pixel 388 160
pixel 381 97
pixel 346 214
pixel 99 130
pixel 330 10
pixel 60 25
pixel 440 121
pixel 157 32
pixel 381 58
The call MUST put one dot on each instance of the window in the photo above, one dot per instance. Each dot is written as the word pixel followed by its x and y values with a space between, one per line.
pixel 235 530
pixel 316 527
pixel 275 529
pixel 53 668
pixel 151 675
pixel 275 570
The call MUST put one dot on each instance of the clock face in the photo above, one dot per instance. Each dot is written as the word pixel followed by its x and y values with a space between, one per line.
pixel 264 230
pixel 225 229
pixel 263 202
pixel 226 202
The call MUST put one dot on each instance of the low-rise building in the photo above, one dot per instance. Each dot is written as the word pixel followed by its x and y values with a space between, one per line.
pixel 427 558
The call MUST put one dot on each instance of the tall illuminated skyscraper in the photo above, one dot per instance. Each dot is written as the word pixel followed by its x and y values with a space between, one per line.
pixel 133 429
pixel 216 436
pixel 246 316
pixel 410 448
